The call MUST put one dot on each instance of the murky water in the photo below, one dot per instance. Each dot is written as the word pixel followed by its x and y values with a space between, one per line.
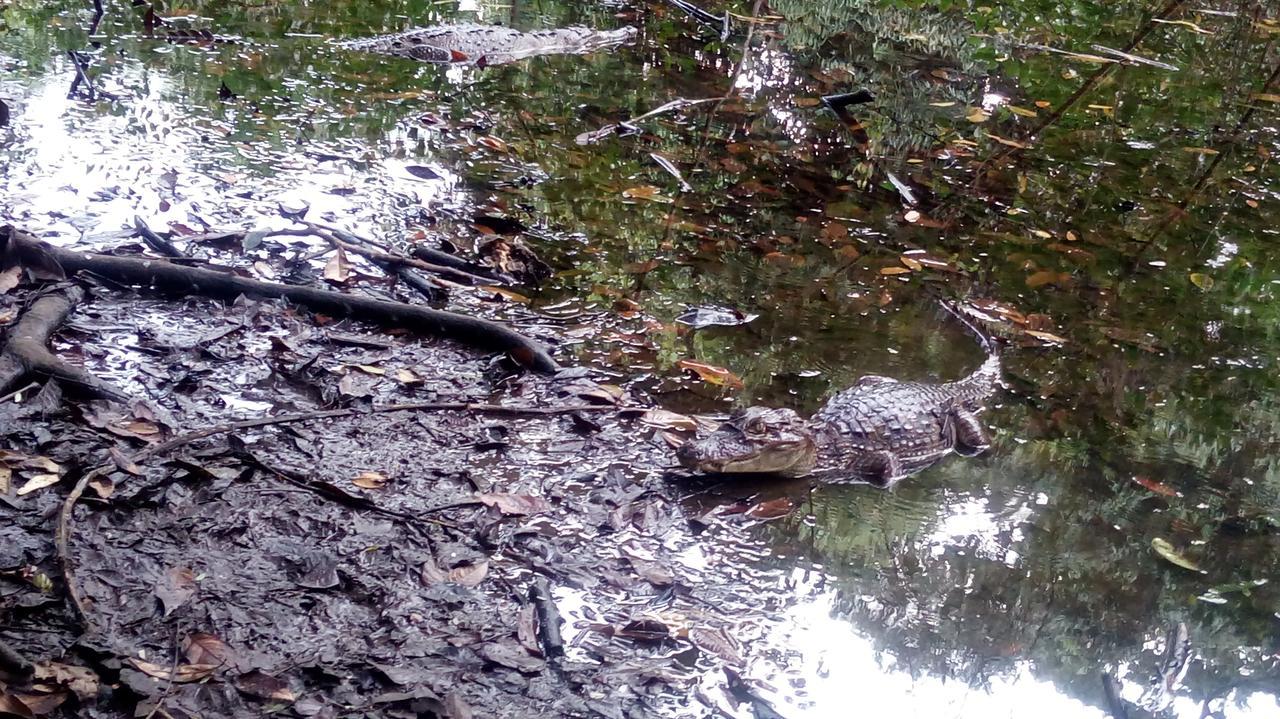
pixel 1133 235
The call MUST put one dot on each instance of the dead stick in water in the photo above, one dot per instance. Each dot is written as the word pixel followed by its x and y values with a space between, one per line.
pixel 67 514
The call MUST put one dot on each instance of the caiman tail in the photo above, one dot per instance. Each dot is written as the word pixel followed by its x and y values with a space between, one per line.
pixel 982 382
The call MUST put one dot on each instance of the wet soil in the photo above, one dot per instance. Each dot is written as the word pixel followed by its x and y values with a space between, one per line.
pixel 374 565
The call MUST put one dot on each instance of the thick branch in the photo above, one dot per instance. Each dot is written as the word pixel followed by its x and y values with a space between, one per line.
pixel 168 277
pixel 25 351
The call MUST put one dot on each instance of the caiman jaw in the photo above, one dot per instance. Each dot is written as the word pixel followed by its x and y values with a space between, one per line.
pixel 754 441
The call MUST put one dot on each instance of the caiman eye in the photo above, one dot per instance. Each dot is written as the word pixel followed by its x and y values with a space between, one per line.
pixel 755 426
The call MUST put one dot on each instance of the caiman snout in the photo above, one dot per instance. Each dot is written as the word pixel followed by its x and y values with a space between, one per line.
pixel 691 457
pixel 754 440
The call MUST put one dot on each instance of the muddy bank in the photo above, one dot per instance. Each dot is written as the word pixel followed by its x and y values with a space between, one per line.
pixel 375 565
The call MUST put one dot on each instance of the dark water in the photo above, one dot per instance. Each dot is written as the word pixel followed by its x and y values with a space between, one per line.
pixel 1135 234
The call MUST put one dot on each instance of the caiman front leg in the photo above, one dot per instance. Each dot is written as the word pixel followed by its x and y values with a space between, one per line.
pixel 881 468
pixel 971 437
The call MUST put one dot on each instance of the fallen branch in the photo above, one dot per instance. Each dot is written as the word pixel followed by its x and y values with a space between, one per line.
pixel 593 136
pixel 67 513
pixel 548 617
pixel 455 269
pixel 25 351
pixel 160 275
pixel 432 289
pixel 423 258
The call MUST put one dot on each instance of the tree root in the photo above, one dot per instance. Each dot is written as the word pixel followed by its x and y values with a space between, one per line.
pixel 161 275
pixel 25 353
pixel 14 663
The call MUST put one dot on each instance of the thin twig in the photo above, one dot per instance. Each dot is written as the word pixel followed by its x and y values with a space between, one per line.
pixel 16 392
pixel 168 687
pixel 327 491
pixel 67 513
pixel 593 136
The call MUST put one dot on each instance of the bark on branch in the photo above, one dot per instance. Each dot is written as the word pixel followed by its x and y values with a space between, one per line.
pixel 164 276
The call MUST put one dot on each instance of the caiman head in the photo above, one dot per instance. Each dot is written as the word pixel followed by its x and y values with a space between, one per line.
pixel 754 440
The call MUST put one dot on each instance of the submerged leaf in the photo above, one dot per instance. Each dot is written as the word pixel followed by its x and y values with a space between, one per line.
pixel 1201 280
pixel 1171 555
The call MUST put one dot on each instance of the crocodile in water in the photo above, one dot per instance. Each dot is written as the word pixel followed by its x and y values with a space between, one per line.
pixel 879 430
pixel 488 44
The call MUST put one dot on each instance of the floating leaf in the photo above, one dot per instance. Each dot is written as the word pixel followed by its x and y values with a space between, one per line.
pixel 667 419
pixel 514 503
pixel 509 294
pixel 512 656
pixel 423 172
pixel 1265 96
pixel 407 376
pixel 772 509
pixel 645 630
pixel 977 115
pixel 894 271
pixel 716 642
pixel 711 374
pixel 252 240
pixel 1024 112
pixel 1047 337
pixel 337 269
pixel 911 263
pixel 1010 143
pixel 493 143
pixel 711 316
pixel 1201 280
pixel 370 480
pixel 1171 555
pixel 1200 150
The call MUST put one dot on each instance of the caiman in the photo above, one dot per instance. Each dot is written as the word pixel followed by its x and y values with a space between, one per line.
pixel 481 45
pixel 488 44
pixel 879 430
